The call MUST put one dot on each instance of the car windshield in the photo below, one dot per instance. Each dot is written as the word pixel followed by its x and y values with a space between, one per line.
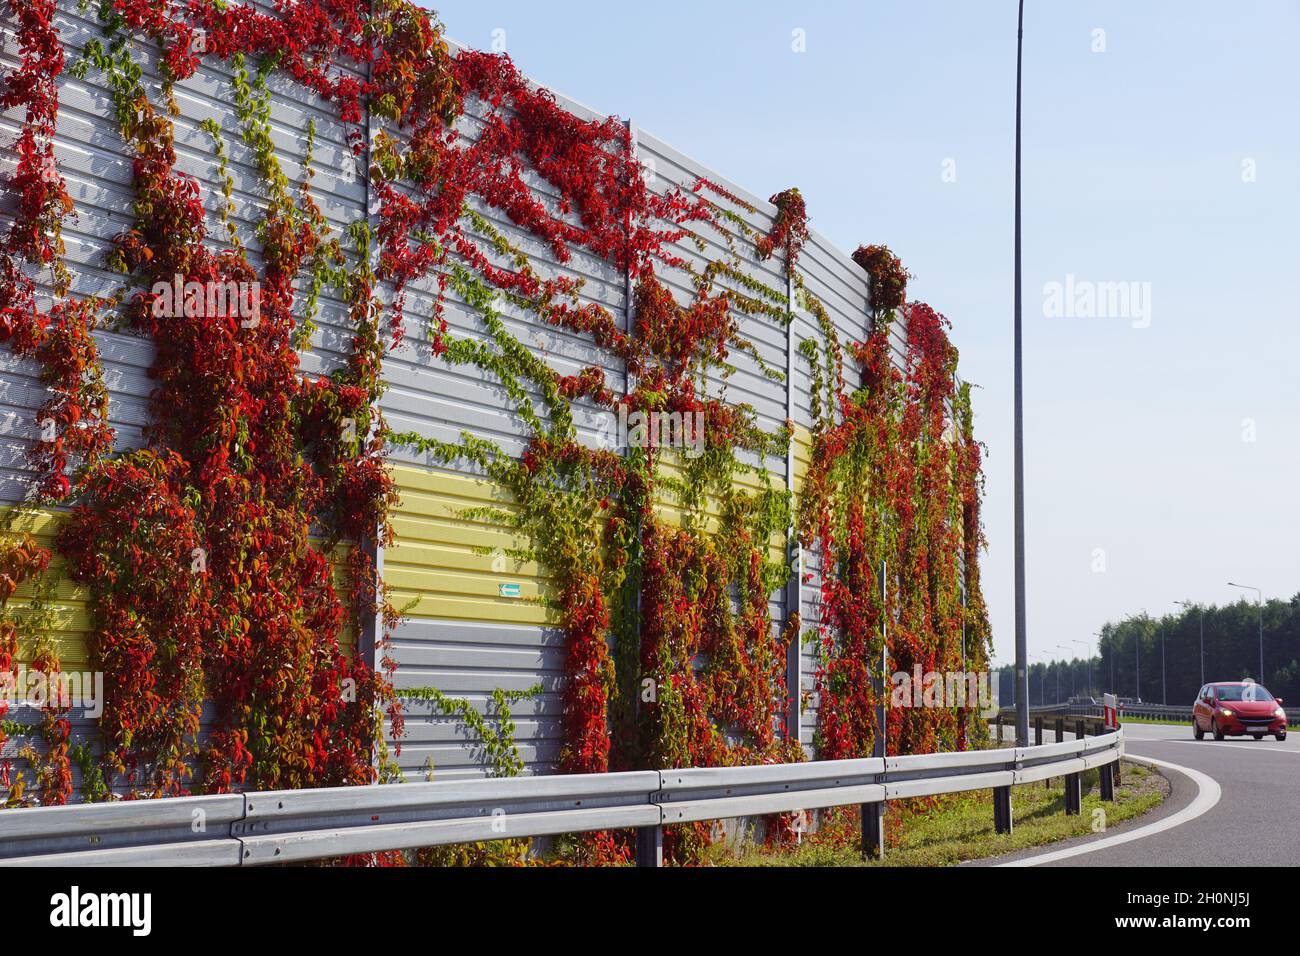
pixel 1241 692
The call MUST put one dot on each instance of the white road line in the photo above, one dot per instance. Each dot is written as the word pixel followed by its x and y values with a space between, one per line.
pixel 1257 748
pixel 1207 795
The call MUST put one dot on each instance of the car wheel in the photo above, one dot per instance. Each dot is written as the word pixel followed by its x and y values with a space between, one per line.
pixel 1197 732
pixel 1218 731
pixel 1258 736
pixel 1281 736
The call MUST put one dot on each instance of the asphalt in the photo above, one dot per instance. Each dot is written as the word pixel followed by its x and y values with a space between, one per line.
pixel 1255 821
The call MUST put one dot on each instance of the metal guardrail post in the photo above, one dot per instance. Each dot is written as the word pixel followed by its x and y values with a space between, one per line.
pixel 873 830
pixel 1038 731
pixel 1002 822
pixel 1060 729
pixel 1108 782
pixel 1080 729
pixel 650 846
pixel 1073 794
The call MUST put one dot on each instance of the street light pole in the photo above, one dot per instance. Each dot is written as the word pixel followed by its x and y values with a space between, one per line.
pixel 1251 587
pixel 1022 649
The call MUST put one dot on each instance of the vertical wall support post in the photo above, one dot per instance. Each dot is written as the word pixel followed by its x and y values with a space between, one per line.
pixel 882 683
pixel 629 386
pixel 1002 822
pixel 794 553
pixel 371 630
pixel 873 830
pixel 629 380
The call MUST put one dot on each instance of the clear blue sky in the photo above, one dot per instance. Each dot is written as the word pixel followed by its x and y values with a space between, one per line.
pixel 1134 162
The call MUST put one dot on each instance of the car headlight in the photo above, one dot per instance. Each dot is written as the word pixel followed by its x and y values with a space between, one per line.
pixel 1225 712
pixel 1279 712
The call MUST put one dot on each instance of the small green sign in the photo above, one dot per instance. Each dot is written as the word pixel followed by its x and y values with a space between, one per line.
pixel 509 590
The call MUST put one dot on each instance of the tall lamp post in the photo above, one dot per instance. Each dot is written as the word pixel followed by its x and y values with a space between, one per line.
pixel 1137 664
pixel 1260 601
pixel 1022 649
pixel 1188 605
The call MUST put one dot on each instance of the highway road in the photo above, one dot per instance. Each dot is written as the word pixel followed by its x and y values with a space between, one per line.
pixel 1233 803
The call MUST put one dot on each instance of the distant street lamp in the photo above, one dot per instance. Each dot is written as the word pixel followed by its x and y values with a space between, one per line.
pixel 1201 608
pixel 1137 658
pixel 1251 587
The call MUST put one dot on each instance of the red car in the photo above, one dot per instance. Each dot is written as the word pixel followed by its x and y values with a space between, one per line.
pixel 1237 708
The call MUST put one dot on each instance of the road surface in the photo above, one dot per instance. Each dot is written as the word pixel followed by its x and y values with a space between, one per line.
pixel 1234 802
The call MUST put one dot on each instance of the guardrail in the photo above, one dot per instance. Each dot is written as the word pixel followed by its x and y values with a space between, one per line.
pixel 1060 718
pixel 289 826
pixel 1172 712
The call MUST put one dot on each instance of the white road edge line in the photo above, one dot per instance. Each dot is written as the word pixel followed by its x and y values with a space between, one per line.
pixel 1223 743
pixel 1207 795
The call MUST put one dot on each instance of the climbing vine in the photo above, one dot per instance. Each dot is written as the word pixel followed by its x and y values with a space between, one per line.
pixel 230 560
pixel 892 506
pixel 494 732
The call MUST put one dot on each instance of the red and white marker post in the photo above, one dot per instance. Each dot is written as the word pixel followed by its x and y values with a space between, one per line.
pixel 1110 707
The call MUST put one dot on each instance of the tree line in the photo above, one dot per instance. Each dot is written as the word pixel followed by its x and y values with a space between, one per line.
pixel 1158 659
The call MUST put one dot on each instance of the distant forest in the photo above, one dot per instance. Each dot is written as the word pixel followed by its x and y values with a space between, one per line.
pixel 1133 646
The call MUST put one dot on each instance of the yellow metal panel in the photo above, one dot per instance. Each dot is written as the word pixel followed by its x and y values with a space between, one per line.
pixel 436 566
pixel 70 621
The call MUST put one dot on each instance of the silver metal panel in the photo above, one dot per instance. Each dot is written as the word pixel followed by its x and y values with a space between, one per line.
pixel 951 784
pixel 1049 750
pixel 201 853
pixel 96 165
pixel 913 763
pixel 1056 769
pixel 425 395
pixel 786 802
pixel 831 772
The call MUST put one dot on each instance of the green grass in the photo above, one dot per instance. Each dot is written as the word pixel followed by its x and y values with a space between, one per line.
pixel 960 827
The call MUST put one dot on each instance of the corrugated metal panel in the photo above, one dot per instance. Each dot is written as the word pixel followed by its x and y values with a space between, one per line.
pixel 461 635
pixel 96 165
pixel 751 383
